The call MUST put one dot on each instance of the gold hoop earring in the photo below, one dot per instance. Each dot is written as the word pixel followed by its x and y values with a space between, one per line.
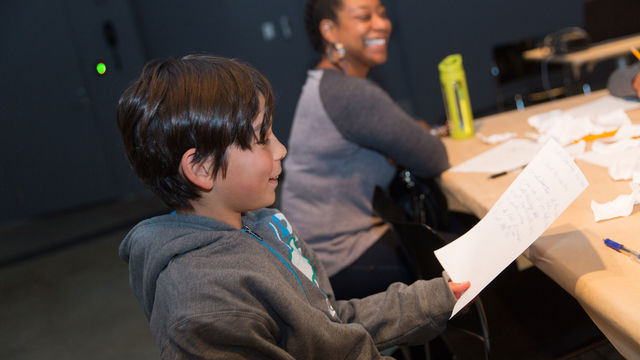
pixel 339 48
pixel 335 54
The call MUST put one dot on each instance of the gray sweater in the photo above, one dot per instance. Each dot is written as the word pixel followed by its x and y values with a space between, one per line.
pixel 214 292
pixel 620 81
pixel 344 132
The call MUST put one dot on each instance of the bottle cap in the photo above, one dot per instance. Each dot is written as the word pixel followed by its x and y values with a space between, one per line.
pixel 450 63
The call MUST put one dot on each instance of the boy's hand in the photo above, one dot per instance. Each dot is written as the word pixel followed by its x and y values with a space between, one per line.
pixel 459 288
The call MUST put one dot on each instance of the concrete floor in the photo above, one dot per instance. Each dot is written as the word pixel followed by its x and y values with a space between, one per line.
pixel 74 302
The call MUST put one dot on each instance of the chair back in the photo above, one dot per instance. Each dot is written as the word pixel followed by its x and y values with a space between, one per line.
pixel 419 241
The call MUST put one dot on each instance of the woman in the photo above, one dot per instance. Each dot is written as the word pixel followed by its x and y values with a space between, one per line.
pixel 347 134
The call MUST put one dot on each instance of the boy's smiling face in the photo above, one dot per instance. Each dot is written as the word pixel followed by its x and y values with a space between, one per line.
pixel 252 175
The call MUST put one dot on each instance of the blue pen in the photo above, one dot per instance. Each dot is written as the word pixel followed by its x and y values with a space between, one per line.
pixel 621 248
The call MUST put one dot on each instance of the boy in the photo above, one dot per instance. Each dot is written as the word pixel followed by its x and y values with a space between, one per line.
pixel 223 277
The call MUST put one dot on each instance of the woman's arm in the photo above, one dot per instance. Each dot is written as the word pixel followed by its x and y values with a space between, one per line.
pixel 366 115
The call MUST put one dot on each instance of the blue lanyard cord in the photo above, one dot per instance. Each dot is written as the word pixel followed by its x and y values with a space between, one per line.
pixel 248 231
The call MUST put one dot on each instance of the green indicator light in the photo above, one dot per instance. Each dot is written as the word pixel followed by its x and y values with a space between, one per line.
pixel 101 68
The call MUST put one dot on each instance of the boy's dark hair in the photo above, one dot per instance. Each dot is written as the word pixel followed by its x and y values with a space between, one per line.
pixel 314 12
pixel 199 101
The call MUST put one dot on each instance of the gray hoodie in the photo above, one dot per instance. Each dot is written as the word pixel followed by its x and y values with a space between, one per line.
pixel 212 291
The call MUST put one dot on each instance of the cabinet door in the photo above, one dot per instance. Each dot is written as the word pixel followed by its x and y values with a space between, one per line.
pixel 57 151
pixel 105 31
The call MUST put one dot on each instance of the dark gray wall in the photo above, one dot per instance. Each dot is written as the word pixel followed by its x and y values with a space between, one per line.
pixel 431 30
pixel 234 28
pixel 59 144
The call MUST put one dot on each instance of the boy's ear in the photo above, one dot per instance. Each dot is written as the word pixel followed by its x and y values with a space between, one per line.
pixel 200 173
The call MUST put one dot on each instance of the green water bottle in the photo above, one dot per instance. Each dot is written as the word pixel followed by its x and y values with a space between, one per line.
pixel 456 97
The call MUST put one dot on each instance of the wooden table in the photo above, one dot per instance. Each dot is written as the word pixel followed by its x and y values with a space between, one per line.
pixel 571 252
pixel 588 57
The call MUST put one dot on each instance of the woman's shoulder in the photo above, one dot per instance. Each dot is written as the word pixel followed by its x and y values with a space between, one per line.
pixel 331 77
pixel 335 86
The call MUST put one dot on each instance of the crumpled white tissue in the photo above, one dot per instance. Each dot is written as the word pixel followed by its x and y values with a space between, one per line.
pixel 496 138
pixel 576 149
pixel 605 147
pixel 612 120
pixel 621 158
pixel 567 128
pixel 625 168
pixel 627 132
pixel 621 206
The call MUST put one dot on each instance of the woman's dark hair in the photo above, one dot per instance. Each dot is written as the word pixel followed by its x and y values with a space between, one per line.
pixel 204 102
pixel 314 12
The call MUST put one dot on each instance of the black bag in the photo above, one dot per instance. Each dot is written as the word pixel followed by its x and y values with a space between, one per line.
pixel 422 200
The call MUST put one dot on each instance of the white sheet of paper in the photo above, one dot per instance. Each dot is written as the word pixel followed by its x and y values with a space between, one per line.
pixel 504 157
pixel 604 105
pixel 546 187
